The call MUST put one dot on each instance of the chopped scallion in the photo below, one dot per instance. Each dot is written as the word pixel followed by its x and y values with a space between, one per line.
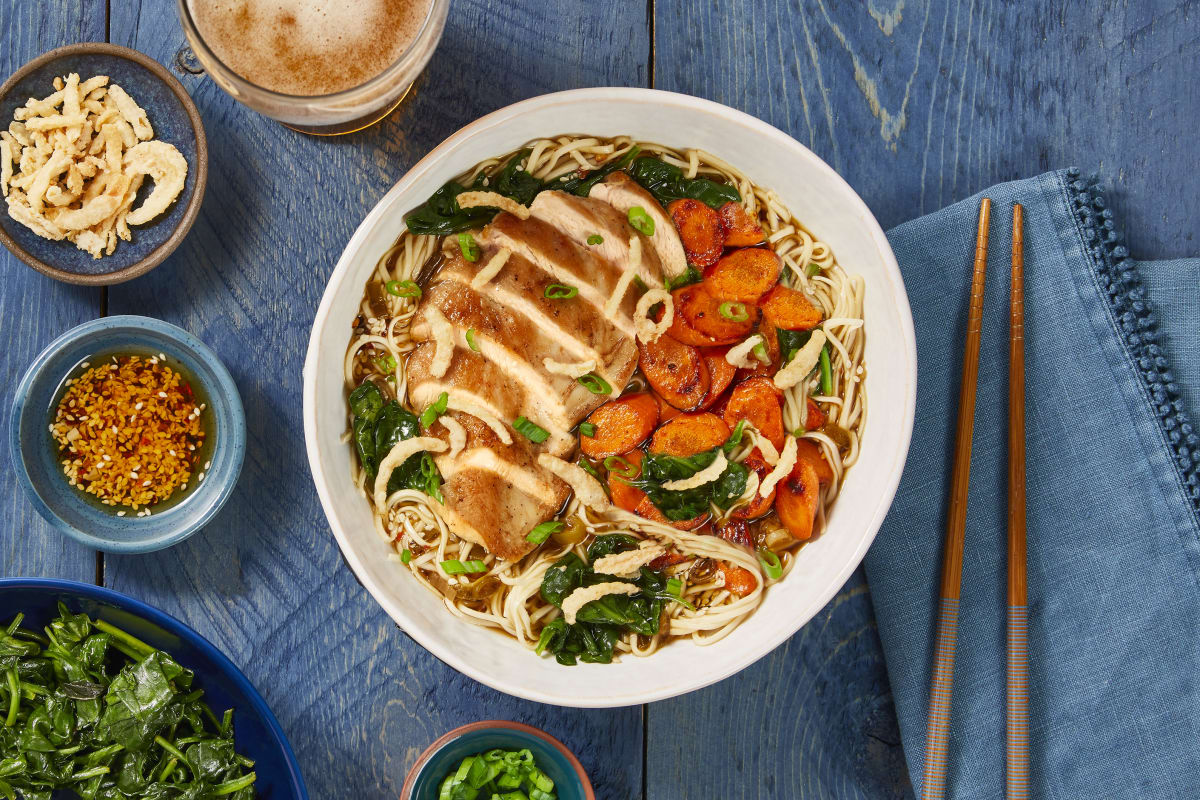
pixel 456 567
pixel 594 383
pixel 471 343
pixel 641 221
pixel 812 269
pixel 595 238
pixel 402 288
pixel 734 311
pixel 405 556
pixel 541 533
pixel 468 246
pixel 760 352
pixel 587 429
pixel 386 364
pixel 531 431
pixel 826 372
pixel 559 291
pixel 771 565
pixel 435 410
pixel 621 467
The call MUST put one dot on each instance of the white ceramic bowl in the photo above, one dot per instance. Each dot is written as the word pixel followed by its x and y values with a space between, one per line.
pixel 819 197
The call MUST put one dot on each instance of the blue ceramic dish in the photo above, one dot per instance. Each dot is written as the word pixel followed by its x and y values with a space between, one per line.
pixel 444 756
pixel 256 731
pixel 78 515
pixel 174 118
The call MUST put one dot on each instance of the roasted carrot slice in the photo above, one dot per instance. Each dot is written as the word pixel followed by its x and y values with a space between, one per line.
pixel 689 434
pixel 621 425
pixel 743 275
pixel 703 312
pixel 682 331
pixel 623 495
pixel 815 418
pixel 756 400
pixel 650 511
pixel 796 499
pixel 738 580
pixel 720 373
pixel 789 309
pixel 738 532
pixel 759 506
pixel 666 411
pixel 700 229
pixel 811 452
pixel 741 230
pixel 676 371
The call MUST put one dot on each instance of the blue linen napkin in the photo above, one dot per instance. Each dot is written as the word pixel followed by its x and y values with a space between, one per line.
pixel 1113 504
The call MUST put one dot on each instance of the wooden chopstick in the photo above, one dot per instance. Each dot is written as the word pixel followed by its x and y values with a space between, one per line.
pixel 1016 746
pixel 937 731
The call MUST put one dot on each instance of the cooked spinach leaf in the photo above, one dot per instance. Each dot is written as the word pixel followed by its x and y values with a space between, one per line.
pixel 377 428
pixel 790 342
pixel 89 709
pixel 659 468
pixel 582 184
pixel 441 215
pixel 667 183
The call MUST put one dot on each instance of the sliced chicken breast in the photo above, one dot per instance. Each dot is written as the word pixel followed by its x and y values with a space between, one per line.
pixel 623 193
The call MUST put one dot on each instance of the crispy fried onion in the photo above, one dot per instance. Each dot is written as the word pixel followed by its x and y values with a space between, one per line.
pixel 397 456
pixel 586 488
pixel 492 200
pixel 572 369
pixel 742 354
pixel 803 363
pixel 647 329
pixel 706 475
pixel 787 460
pixel 442 333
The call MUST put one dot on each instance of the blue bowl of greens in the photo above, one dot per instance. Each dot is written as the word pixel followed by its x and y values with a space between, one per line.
pixel 118 700
pixel 497 758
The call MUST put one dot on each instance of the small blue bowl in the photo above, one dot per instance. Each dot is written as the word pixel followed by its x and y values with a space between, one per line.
pixel 443 756
pixel 174 118
pixel 78 515
pixel 256 731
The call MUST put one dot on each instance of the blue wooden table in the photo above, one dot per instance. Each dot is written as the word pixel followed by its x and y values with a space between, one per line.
pixel 916 103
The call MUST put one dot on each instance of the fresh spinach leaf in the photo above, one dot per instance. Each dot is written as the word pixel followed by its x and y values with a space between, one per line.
pixel 565 576
pixel 608 543
pixel 667 183
pixel 790 342
pixel 582 184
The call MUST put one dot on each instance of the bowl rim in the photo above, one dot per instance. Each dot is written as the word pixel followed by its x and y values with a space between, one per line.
pixel 493 724
pixel 107 325
pixel 159 254
pixel 430 163
pixel 185 631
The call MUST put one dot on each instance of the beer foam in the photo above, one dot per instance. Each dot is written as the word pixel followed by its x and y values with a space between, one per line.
pixel 308 47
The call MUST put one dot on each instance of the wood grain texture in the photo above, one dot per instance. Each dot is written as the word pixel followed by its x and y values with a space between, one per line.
pixel 265 581
pixel 814 719
pixel 920 103
pixel 35 309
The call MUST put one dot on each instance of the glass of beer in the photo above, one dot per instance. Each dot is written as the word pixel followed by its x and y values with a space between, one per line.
pixel 318 66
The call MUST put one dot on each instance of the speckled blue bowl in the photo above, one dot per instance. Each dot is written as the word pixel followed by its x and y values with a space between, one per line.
pixel 444 755
pixel 174 118
pixel 255 729
pixel 36 460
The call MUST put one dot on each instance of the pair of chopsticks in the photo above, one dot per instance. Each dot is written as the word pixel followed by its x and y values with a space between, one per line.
pixel 938 729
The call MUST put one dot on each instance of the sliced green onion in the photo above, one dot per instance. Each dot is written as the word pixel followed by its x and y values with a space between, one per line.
pixel 641 221
pixel 405 556
pixel 435 410
pixel 587 429
pixel 590 469
pixel 474 566
pixel 402 288
pixel 675 587
pixel 541 533
pixel 559 291
pixel 734 311
pixel 594 383
pixel 735 438
pixel 770 563
pixel 812 269
pixel 470 250
pixel 386 363
pixel 641 284
pixel 595 238
pixel 531 431
pixel 620 467
pixel 471 343
pixel 453 567
pixel 826 372
pixel 760 352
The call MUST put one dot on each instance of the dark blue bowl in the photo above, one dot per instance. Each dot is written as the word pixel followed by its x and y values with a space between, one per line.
pixel 256 731
pixel 443 756
pixel 174 118
pixel 71 511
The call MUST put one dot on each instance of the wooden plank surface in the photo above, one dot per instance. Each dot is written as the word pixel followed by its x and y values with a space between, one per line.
pixel 265 581
pixel 34 309
pixel 917 105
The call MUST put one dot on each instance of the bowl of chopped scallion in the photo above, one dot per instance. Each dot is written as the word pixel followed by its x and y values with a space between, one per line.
pixel 497 760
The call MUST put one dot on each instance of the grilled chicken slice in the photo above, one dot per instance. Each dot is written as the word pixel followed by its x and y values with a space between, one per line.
pixel 495 493
pixel 623 193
